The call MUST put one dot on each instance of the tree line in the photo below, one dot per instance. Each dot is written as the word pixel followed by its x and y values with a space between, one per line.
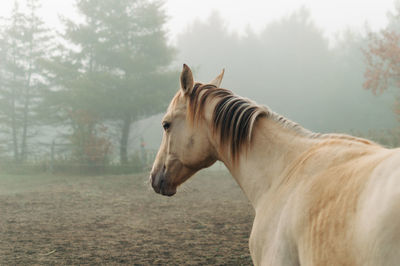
pixel 291 66
pixel 93 81
pixel 100 74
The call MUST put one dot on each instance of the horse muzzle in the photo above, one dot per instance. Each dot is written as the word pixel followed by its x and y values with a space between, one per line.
pixel 160 183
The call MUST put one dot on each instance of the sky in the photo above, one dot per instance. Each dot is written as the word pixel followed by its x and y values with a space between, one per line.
pixel 331 16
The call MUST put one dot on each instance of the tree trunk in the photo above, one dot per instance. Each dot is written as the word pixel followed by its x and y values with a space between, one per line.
pixel 14 126
pixel 27 101
pixel 25 119
pixel 123 149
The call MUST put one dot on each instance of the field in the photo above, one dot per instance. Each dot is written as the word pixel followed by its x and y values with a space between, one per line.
pixel 113 220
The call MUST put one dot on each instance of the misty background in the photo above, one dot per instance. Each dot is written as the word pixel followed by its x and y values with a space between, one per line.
pixel 84 91
pixel 84 85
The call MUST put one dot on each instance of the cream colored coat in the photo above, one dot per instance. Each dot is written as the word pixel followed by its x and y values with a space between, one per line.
pixel 326 200
pixel 321 202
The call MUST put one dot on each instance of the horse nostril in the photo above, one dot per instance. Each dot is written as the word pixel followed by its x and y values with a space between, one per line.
pixel 152 179
pixel 157 179
pixel 162 185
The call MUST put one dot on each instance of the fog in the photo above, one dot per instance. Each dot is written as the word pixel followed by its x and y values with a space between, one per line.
pixel 312 73
pixel 84 85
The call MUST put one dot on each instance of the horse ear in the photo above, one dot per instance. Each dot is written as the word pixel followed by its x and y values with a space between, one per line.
pixel 217 81
pixel 187 81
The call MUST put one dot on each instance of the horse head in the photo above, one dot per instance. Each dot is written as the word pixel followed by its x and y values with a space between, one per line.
pixel 186 145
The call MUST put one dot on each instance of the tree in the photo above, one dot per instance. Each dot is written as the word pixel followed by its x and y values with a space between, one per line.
pixel 24 41
pixel 383 60
pixel 286 61
pixel 291 67
pixel 116 64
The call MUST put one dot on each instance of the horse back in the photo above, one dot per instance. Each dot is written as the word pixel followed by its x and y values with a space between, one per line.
pixel 351 208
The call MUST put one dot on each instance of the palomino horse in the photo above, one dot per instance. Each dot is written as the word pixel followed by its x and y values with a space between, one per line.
pixel 319 199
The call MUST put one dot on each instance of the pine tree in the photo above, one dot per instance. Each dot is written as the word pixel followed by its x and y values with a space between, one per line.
pixel 24 42
pixel 118 67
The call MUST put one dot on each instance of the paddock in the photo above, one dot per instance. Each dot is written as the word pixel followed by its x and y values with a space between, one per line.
pixel 114 220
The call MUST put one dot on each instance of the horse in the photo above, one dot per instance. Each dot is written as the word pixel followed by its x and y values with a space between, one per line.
pixel 319 199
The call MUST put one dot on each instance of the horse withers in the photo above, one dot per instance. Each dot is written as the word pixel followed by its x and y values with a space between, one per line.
pixel 319 199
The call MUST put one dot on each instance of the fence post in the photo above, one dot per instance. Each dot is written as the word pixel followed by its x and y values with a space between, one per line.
pixel 143 153
pixel 53 144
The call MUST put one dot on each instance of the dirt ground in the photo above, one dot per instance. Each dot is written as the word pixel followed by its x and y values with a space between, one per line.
pixel 113 220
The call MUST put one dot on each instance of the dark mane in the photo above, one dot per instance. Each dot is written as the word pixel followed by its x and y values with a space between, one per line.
pixel 233 117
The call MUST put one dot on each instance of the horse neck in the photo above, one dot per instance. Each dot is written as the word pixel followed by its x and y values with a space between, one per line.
pixel 273 148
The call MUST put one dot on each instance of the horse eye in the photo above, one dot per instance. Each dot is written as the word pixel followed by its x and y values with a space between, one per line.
pixel 166 125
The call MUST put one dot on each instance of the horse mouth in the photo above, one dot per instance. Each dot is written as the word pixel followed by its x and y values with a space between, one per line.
pixel 161 186
pixel 168 193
